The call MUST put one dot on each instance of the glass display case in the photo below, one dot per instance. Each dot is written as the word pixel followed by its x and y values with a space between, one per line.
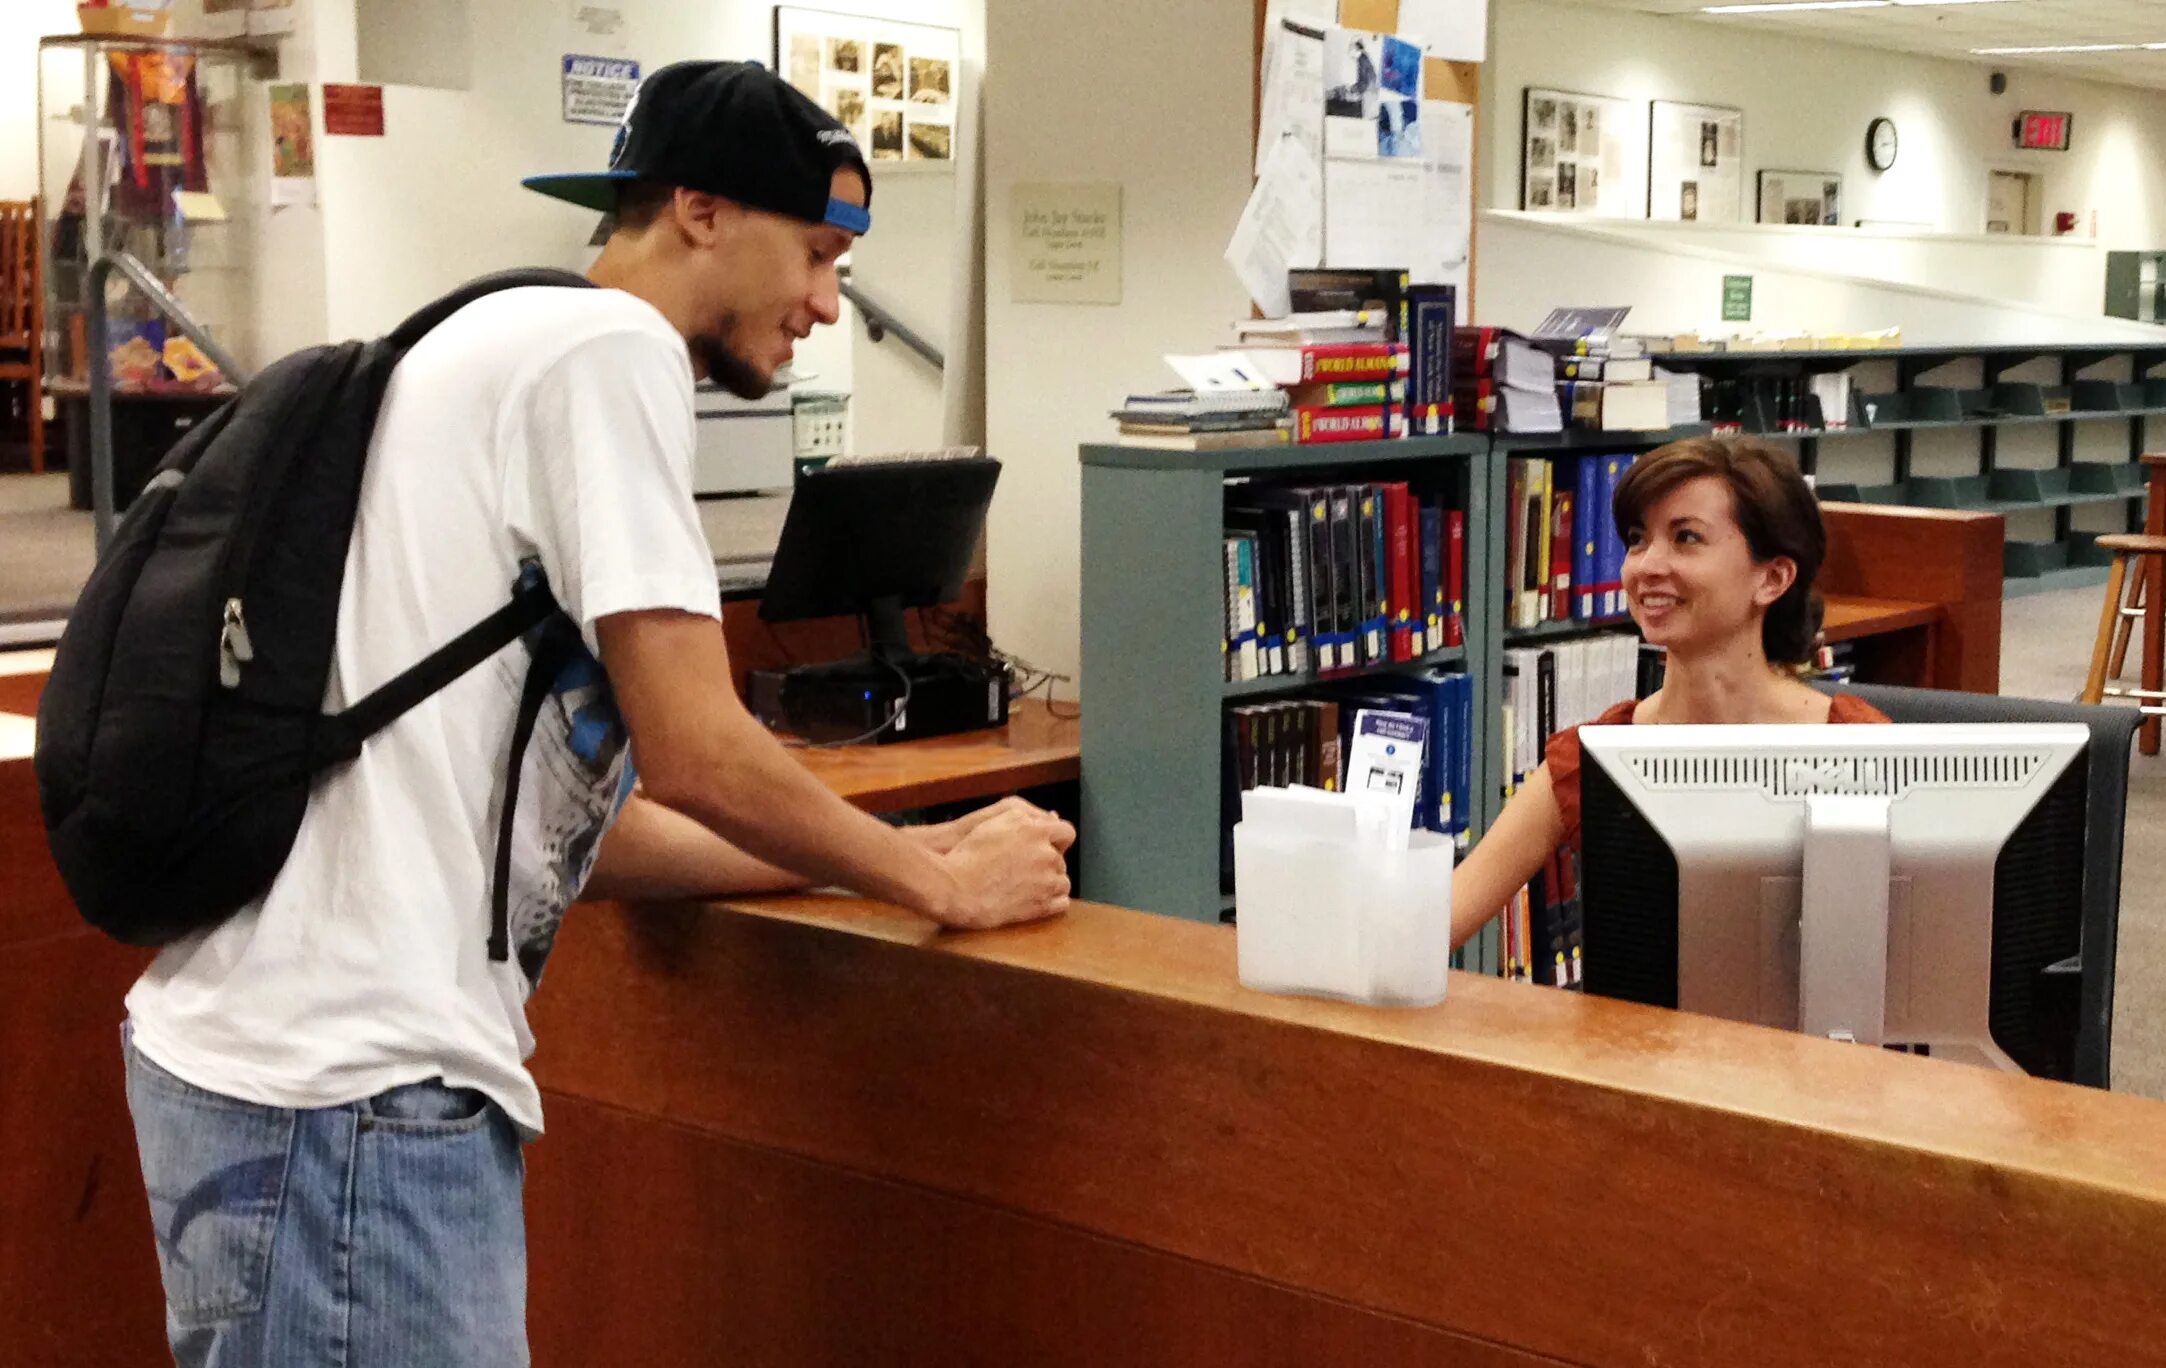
pixel 144 146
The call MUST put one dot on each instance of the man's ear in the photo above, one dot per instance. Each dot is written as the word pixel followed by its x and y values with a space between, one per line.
pixel 705 220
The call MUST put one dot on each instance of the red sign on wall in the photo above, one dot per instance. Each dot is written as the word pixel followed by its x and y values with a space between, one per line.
pixel 2043 130
pixel 353 111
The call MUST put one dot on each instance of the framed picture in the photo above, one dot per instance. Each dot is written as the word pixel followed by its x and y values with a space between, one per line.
pixel 1572 153
pixel 895 86
pixel 1695 162
pixel 1812 198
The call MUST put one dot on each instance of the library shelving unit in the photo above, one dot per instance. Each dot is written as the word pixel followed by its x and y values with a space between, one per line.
pixel 1552 446
pixel 1914 406
pixel 1153 592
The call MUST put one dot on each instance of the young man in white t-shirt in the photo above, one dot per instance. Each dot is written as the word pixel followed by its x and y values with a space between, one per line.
pixel 330 1088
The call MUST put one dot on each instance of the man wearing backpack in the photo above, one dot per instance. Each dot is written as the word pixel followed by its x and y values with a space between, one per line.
pixel 329 1086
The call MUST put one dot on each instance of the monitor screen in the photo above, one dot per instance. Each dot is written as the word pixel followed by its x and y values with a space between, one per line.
pixel 1918 887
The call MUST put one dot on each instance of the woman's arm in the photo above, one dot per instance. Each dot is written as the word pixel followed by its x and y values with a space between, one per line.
pixel 1527 831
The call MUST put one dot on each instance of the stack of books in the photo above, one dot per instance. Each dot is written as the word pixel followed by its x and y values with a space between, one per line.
pixel 1343 374
pixel 1220 420
pixel 1606 382
pixel 1504 383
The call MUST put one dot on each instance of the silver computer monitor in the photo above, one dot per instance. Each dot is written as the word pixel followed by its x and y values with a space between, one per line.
pixel 1907 886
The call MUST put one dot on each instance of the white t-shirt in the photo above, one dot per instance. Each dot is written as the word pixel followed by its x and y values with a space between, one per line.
pixel 549 425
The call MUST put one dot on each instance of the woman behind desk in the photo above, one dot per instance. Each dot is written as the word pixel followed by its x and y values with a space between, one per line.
pixel 1722 543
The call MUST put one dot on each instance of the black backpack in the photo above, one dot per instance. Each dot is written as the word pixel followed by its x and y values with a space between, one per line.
pixel 183 723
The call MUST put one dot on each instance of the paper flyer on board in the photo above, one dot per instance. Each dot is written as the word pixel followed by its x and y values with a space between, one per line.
pixel 1455 30
pixel 1293 92
pixel 1280 228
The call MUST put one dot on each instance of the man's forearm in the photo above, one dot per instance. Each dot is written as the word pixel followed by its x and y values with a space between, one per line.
pixel 775 809
pixel 654 854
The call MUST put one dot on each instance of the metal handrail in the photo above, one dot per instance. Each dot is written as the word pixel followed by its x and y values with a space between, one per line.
pixel 101 375
pixel 879 322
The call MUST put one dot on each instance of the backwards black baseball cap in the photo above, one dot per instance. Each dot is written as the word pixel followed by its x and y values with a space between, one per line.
pixel 733 129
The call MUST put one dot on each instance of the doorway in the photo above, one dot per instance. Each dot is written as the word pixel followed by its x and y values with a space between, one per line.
pixel 2012 203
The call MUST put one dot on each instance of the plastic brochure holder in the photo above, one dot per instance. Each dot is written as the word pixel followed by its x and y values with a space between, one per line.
pixel 1327 913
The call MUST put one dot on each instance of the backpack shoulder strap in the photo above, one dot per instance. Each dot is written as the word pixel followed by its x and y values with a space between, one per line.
pixel 338 736
pixel 429 315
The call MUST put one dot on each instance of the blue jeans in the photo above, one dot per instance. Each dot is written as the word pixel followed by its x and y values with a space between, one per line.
pixel 379 1234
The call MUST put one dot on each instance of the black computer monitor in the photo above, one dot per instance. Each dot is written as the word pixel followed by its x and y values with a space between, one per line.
pixel 877 537
pixel 1948 912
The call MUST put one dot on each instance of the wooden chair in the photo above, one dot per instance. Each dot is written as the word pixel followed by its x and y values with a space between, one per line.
pixel 22 315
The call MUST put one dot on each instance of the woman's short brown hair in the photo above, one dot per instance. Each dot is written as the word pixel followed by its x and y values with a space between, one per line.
pixel 1774 508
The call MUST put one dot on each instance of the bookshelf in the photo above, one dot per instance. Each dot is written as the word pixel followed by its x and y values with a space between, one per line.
pixel 1913 407
pixel 1153 589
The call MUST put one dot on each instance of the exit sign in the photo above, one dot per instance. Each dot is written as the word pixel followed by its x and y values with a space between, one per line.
pixel 2043 130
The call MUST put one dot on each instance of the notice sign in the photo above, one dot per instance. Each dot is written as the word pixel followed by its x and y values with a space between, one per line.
pixel 353 111
pixel 597 90
pixel 1067 244
pixel 1737 299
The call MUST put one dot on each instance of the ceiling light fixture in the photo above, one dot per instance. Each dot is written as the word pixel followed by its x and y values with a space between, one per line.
pixel 2066 47
pixel 1791 5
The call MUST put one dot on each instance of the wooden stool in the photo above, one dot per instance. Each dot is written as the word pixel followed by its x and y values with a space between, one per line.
pixel 2154 524
pixel 2150 551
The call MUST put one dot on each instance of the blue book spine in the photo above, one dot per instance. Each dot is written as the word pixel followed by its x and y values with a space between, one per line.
pixel 1609 551
pixel 1462 754
pixel 1590 518
pixel 1443 736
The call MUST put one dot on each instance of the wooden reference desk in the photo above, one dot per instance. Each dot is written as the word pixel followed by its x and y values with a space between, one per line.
pixel 813 1131
pixel 1918 591
pixel 78 1273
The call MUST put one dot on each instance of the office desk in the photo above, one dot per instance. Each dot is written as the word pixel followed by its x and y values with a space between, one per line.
pixel 814 1131
pixel 1041 745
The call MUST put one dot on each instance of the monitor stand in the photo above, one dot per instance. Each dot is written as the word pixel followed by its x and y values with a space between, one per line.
pixel 1843 931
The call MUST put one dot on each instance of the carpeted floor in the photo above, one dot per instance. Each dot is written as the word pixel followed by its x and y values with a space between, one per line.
pixel 2045 652
pixel 46 547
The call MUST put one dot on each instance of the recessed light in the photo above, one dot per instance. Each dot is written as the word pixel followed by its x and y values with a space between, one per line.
pixel 1950 2
pixel 1790 5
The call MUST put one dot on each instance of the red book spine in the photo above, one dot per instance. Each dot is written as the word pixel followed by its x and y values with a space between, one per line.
pixel 1560 556
pixel 1455 576
pixel 1365 423
pixel 1398 504
pixel 1353 361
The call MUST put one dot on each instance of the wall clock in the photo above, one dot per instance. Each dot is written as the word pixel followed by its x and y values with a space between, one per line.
pixel 1881 144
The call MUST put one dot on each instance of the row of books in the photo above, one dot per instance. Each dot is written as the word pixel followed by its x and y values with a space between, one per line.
pixel 1544 931
pixel 1779 404
pixel 1325 579
pixel 1189 420
pixel 1302 741
pixel 1547 689
pixel 1564 560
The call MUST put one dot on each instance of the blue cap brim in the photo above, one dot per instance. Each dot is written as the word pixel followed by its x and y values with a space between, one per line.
pixel 596 190
pixel 851 218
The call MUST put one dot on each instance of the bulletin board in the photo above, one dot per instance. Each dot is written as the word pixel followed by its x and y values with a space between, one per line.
pixel 1394 160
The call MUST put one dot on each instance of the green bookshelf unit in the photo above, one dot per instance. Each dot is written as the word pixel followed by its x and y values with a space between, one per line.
pixel 1153 594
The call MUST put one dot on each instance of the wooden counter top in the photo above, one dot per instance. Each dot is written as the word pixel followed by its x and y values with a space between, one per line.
pixel 1558 1178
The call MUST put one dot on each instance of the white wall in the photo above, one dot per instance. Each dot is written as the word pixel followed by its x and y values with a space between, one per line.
pixel 437 199
pixel 1533 262
pixel 1807 105
pixel 22 23
pixel 1159 102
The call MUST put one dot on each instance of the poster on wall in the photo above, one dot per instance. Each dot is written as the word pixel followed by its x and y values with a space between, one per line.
pixel 293 145
pixel 1572 154
pixel 895 86
pixel 598 90
pixel 1695 163
pixel 1807 198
